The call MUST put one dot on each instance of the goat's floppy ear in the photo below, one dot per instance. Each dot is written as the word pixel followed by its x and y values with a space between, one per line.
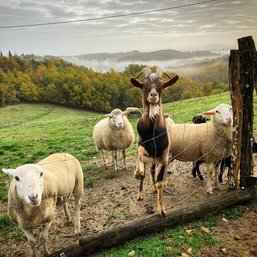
pixel 170 82
pixel 10 172
pixel 136 83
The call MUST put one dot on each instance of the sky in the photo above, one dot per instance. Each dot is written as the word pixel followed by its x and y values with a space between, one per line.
pixel 208 26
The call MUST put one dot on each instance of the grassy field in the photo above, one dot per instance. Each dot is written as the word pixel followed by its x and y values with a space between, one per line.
pixel 30 132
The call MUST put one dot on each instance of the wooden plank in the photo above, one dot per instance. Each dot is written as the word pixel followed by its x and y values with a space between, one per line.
pixel 237 105
pixel 155 223
pixel 247 59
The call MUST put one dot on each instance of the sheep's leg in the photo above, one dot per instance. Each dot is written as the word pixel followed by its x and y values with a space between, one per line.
pixel 124 158
pixel 77 225
pixel 152 173
pixel 114 159
pixel 102 152
pixel 222 170
pixel 208 180
pixel 31 241
pixel 67 213
pixel 44 237
pixel 196 170
pixel 216 177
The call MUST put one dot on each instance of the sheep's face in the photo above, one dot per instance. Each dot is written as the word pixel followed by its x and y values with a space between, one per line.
pixel 117 118
pixel 222 114
pixel 29 183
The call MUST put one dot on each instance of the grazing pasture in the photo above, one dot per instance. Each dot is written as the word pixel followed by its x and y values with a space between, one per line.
pixel 30 132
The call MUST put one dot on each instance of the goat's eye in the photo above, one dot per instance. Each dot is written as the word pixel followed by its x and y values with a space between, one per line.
pixel 41 174
pixel 17 178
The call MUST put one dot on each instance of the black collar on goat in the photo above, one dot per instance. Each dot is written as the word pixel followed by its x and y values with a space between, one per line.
pixel 153 139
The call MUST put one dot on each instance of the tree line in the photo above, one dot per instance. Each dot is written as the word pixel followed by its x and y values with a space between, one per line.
pixel 53 80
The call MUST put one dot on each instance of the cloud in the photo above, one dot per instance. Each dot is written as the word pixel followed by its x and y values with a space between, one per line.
pixel 152 31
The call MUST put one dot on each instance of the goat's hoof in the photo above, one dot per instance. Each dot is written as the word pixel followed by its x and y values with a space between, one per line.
pixel 139 175
pixel 162 213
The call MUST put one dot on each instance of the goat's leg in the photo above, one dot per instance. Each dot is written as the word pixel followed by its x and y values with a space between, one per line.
pixel 161 177
pixel 152 176
pixel 124 158
pixel 44 237
pixel 77 225
pixel 31 241
pixel 140 190
pixel 139 173
pixel 159 186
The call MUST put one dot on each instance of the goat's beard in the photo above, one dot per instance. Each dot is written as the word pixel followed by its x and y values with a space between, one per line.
pixel 154 110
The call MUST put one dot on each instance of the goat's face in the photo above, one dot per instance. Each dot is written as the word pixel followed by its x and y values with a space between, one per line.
pixel 152 86
pixel 153 89
pixel 29 183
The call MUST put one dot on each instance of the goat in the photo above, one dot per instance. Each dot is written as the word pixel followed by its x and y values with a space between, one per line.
pixel 153 139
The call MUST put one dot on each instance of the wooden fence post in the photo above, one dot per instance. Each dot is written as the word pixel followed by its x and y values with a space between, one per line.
pixel 247 60
pixel 237 105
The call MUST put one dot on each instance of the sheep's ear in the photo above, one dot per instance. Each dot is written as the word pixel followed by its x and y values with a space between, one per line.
pixel 109 115
pixel 170 82
pixel 211 112
pixel 136 83
pixel 10 172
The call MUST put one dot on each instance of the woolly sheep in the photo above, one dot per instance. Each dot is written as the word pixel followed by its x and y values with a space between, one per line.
pixel 209 141
pixel 114 133
pixel 36 189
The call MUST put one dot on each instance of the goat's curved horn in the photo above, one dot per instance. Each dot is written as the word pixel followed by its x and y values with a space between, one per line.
pixel 167 75
pixel 159 72
pixel 147 71
pixel 138 74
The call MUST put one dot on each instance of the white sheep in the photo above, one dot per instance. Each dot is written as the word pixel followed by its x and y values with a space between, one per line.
pixel 208 142
pixel 114 133
pixel 36 189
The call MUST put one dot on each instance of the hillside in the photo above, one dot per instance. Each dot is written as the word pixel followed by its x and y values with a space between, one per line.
pixel 60 82
pixel 118 61
pixel 160 55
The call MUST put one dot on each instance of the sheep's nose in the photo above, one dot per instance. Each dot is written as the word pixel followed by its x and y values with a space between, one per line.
pixel 33 198
pixel 229 120
pixel 120 124
pixel 154 94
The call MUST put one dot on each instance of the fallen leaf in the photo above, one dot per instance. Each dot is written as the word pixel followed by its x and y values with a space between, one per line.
pixel 206 230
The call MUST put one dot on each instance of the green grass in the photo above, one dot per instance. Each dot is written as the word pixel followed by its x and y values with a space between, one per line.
pixel 40 130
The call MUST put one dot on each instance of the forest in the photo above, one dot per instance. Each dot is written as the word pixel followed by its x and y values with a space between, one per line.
pixel 53 80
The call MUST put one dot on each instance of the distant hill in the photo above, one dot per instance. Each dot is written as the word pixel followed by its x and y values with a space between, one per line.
pixel 160 55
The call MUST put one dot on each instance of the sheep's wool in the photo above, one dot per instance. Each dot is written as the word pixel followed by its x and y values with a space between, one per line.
pixel 154 110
